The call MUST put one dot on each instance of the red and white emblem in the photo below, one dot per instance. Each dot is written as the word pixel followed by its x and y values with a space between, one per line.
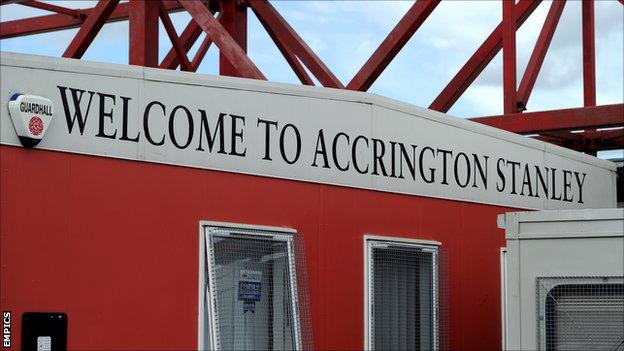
pixel 35 125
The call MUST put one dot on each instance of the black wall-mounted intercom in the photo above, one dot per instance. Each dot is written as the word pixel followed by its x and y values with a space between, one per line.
pixel 44 331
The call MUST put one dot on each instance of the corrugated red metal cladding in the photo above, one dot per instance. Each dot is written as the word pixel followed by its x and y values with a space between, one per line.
pixel 114 244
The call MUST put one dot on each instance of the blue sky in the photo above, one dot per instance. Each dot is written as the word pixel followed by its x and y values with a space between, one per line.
pixel 345 33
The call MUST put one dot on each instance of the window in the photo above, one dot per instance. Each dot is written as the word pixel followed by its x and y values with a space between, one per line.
pixel 252 292
pixel 581 313
pixel 401 294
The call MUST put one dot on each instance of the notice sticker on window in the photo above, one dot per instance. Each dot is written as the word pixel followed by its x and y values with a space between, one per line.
pixel 250 285
pixel 249 289
pixel 44 343
pixel 249 306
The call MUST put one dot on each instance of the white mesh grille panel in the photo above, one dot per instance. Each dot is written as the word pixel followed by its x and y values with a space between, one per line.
pixel 581 313
pixel 404 309
pixel 256 285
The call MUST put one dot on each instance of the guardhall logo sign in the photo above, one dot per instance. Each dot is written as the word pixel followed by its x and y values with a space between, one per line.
pixel 31 117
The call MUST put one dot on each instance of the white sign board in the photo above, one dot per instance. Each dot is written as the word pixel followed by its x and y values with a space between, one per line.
pixel 293 132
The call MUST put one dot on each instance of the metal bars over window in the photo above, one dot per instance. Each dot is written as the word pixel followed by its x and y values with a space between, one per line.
pixel 403 296
pixel 584 313
pixel 256 291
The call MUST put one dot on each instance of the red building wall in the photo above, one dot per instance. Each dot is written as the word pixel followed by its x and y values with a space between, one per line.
pixel 114 244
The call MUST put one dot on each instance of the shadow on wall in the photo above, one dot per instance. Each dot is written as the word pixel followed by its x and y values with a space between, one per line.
pixel 619 182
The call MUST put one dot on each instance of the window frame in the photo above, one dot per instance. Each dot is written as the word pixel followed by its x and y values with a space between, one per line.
pixel 504 302
pixel 547 284
pixel 207 319
pixel 373 240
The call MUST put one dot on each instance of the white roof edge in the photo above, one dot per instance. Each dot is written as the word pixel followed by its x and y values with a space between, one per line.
pixel 541 224
pixel 570 215
pixel 155 74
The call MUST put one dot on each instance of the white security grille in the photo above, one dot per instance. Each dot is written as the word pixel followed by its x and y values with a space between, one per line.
pixel 581 313
pixel 257 291
pixel 403 296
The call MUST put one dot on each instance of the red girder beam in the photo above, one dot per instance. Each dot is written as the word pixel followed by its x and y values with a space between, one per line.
pixel 567 119
pixel 606 135
pixel 565 135
pixel 610 139
pixel 290 57
pixel 509 57
pixel 606 140
pixel 288 54
pixel 589 142
pixel 143 29
pixel 611 134
pixel 201 52
pixel 569 143
pixel 394 42
pixel 580 145
pixel 54 8
pixel 48 23
pixel 173 37
pixel 613 143
pixel 227 45
pixel 234 20
pixel 539 53
pixel 187 39
pixel 92 25
pixel 576 141
pixel 589 54
pixel 480 59
pixel 265 12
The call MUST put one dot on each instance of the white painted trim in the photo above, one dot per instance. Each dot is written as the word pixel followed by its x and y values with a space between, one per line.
pixel 503 280
pixel 231 225
pixel 205 299
pixel 202 293
pixel 294 293
pixel 213 340
pixel 571 215
pixel 393 240
pixel 537 225
pixel 366 291
pixel 435 278
pixel 399 240
pixel 201 300
pixel 570 235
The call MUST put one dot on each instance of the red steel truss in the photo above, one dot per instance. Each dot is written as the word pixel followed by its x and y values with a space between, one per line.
pixel 225 25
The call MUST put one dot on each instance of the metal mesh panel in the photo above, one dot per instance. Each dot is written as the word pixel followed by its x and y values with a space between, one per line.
pixel 585 313
pixel 404 286
pixel 443 300
pixel 303 294
pixel 257 290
